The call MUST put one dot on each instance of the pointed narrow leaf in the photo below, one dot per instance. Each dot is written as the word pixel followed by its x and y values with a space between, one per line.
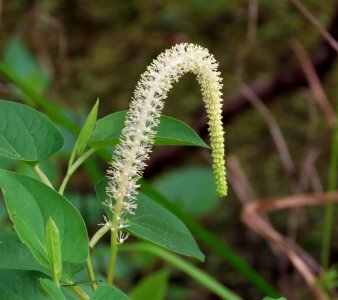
pixel 105 292
pixel 26 134
pixel 85 133
pixel 53 247
pixel 145 289
pixel 53 291
pixel 154 223
pixel 30 204
pixel 169 132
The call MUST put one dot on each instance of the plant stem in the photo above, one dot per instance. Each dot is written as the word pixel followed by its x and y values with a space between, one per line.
pixel 91 273
pixel 74 167
pixel 329 209
pixel 79 292
pixel 112 259
pixel 98 235
pixel 186 267
pixel 113 240
pixel 42 176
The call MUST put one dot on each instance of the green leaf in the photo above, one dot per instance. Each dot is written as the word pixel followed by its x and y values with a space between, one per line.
pixel 52 289
pixel 169 132
pixel 30 204
pixel 156 224
pixel 192 189
pixel 145 289
pixel 16 255
pixel 20 61
pixel 20 285
pixel 53 247
pixel 329 279
pixel 85 133
pixel 26 134
pixel 108 292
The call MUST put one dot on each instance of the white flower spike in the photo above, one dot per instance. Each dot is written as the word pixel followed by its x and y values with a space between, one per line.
pixel 143 116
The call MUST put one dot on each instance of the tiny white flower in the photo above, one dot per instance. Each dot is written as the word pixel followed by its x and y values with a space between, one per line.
pixel 121 237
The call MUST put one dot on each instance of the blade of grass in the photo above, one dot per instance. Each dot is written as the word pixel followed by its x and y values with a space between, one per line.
pixel 330 206
pixel 195 273
pixel 211 240
pixel 32 98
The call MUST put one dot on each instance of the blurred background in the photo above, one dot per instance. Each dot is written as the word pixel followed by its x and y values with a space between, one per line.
pixel 280 93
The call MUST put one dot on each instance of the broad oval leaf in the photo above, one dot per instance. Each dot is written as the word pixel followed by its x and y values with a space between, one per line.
pixel 192 189
pixel 26 134
pixel 30 204
pixel 156 224
pixel 107 292
pixel 15 255
pixel 20 285
pixel 169 132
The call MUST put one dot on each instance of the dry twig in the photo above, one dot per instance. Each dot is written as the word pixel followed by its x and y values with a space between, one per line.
pixel 313 81
pixel 273 127
pixel 252 215
pixel 250 41
pixel 326 35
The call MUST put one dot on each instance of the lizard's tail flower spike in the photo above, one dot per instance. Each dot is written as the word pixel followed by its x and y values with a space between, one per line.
pixel 140 126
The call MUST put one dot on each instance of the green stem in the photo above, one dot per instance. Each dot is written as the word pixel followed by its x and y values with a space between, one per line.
pixel 72 168
pixel 42 176
pixel 113 240
pixel 98 235
pixel 329 208
pixel 91 273
pixel 112 259
pixel 79 292
pixel 189 269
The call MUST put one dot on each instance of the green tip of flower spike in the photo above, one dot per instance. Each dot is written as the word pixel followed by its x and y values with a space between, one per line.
pixel 220 178
pixel 222 188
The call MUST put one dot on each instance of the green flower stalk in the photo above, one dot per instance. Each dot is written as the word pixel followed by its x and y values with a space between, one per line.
pixel 137 137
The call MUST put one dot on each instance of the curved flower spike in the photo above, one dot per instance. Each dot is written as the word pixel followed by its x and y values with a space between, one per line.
pixel 140 126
